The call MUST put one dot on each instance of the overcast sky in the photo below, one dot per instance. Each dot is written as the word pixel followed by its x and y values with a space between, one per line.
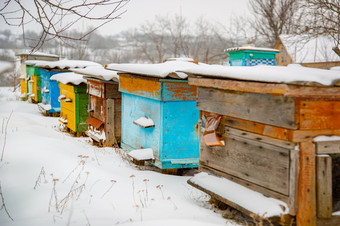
pixel 140 11
pixel 217 11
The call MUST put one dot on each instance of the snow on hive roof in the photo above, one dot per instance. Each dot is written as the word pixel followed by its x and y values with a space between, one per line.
pixel 167 69
pixel 36 54
pixel 34 62
pixel 66 64
pixel 309 50
pixel 98 72
pixel 69 78
pixel 293 74
pixel 251 48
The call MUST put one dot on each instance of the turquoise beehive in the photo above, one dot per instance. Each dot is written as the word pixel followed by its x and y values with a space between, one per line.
pixel 251 56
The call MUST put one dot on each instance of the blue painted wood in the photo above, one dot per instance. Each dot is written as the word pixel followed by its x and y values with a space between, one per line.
pixel 50 97
pixel 174 139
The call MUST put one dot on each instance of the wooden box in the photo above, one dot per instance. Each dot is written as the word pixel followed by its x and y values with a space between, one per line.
pixel 73 107
pixel 251 56
pixel 50 92
pixel 34 83
pixel 104 111
pixel 269 130
pixel 170 104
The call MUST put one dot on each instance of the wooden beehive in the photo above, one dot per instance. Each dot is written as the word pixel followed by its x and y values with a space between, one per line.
pixel 170 104
pixel 50 92
pixel 73 102
pixel 251 56
pixel 104 111
pixel 268 130
pixel 34 83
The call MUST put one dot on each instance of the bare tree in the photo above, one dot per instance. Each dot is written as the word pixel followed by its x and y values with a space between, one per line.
pixel 55 17
pixel 323 18
pixel 275 17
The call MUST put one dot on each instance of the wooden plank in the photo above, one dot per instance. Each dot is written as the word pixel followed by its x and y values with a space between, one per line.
pixel 222 199
pixel 261 138
pixel 178 90
pixel 293 181
pixel 306 212
pixel 118 119
pixel 324 199
pixel 140 86
pixel 262 164
pixel 263 108
pixel 111 91
pixel 334 221
pixel 296 91
pixel 247 184
pixel 327 147
pixel 242 86
pixel 95 88
pixel 254 127
pixel 110 122
pixel 319 115
pixel 308 135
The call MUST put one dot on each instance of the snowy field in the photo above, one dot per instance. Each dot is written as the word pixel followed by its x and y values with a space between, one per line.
pixel 48 177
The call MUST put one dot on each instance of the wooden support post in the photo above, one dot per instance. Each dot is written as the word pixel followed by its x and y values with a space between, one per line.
pixel 306 212
pixel 324 186
pixel 110 122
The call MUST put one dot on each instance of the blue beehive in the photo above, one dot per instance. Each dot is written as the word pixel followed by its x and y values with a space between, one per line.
pixel 251 56
pixel 50 92
pixel 160 114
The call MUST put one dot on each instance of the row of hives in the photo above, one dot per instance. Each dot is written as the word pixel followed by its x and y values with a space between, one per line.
pixel 257 131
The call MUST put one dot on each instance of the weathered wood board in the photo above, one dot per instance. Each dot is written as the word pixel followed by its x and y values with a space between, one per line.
pixel 324 186
pixel 259 163
pixel 264 108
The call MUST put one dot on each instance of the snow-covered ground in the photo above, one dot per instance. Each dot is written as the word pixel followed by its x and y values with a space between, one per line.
pixel 48 177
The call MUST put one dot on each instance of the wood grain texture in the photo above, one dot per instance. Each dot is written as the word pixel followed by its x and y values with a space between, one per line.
pixel 262 164
pixel 306 212
pixel 327 147
pixel 324 186
pixel 260 138
pixel 296 91
pixel 110 122
pixel 263 108
pixel 140 86
pixel 334 221
pixel 319 115
pixel 293 181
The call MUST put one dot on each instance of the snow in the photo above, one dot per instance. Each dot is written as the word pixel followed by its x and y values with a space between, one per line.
pixel 100 135
pixel 251 48
pixel 336 213
pixel 171 68
pixel 69 78
pixel 291 74
pixel 98 72
pixel 336 68
pixel 142 154
pixel 251 200
pixel 144 122
pixel 65 64
pixel 45 107
pixel 115 191
pixel 326 138
pixel 303 49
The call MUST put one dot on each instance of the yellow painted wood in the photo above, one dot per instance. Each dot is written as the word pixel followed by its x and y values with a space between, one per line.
pixel 35 88
pixel 68 109
pixel 23 87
